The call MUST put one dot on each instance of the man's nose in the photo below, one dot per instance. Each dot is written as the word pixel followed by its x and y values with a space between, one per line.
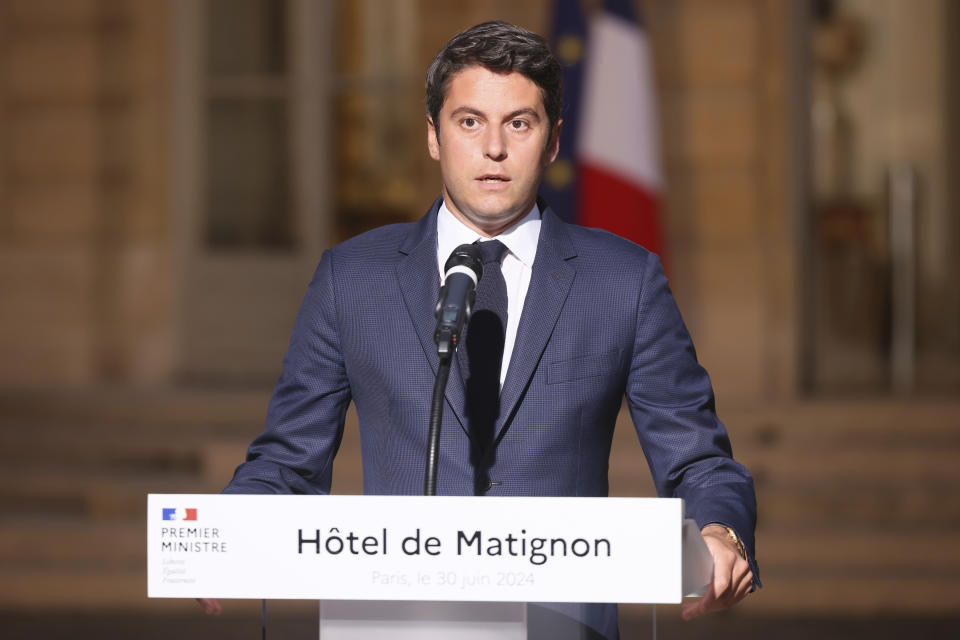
pixel 494 144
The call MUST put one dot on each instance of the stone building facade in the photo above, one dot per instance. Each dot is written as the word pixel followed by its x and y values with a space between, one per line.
pixel 103 275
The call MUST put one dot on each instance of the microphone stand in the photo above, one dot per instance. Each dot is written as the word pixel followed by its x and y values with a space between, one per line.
pixel 457 294
pixel 436 417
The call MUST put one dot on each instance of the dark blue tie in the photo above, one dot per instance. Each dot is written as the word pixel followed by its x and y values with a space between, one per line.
pixel 481 356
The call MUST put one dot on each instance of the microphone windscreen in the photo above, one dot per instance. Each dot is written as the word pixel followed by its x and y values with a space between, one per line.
pixel 466 255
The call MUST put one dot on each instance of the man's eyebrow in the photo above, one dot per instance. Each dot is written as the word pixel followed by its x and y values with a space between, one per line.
pixel 467 109
pixel 525 111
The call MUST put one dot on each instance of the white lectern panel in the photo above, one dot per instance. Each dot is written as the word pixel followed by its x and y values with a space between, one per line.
pixel 416 548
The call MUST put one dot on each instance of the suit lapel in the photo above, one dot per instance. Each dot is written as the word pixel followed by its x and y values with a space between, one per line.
pixel 550 282
pixel 419 282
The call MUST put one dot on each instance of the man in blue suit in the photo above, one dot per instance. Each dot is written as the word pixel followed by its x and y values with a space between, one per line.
pixel 587 319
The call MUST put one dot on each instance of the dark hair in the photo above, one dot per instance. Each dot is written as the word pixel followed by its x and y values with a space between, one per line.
pixel 501 47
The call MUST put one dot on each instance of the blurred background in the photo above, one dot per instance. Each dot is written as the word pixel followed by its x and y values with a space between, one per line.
pixel 170 172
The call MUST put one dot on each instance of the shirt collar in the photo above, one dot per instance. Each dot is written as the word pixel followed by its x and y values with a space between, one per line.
pixel 521 238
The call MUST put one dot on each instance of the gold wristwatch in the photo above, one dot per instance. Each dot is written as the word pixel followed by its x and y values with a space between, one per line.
pixel 735 539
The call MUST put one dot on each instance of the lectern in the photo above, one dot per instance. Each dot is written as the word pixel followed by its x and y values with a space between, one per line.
pixel 402 567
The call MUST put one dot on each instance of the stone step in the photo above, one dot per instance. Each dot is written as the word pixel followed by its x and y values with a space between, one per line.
pixel 914 508
pixel 24 588
pixel 28 429
pixel 861 423
pixel 209 410
pixel 118 455
pixel 863 550
pixel 882 467
pixel 55 492
pixel 920 593
pixel 126 454
pixel 55 544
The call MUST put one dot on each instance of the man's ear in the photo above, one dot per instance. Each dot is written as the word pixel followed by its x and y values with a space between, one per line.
pixel 433 141
pixel 553 144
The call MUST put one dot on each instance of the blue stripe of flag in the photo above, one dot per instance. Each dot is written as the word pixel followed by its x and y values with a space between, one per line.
pixel 569 27
pixel 621 8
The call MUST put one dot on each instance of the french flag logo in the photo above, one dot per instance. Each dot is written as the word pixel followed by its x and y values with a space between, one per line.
pixel 179 514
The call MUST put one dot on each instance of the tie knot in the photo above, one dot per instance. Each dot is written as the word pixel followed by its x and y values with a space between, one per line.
pixel 492 251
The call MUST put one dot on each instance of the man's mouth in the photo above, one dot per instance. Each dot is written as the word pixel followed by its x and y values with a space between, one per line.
pixel 493 179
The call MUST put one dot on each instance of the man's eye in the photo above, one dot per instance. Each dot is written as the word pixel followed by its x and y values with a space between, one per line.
pixel 469 123
pixel 518 124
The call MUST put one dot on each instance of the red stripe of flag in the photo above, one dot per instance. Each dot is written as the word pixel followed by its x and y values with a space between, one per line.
pixel 621 207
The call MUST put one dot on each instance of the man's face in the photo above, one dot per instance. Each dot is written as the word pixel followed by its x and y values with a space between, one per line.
pixel 494 144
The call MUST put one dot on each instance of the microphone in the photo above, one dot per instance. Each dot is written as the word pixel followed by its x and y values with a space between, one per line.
pixel 461 274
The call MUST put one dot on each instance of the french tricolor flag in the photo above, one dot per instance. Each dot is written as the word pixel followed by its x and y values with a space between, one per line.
pixel 607 172
pixel 179 514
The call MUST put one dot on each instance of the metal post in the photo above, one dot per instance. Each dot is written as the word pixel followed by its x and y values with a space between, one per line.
pixel 903 210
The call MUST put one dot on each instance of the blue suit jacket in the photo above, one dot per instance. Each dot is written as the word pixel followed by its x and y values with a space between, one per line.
pixel 599 323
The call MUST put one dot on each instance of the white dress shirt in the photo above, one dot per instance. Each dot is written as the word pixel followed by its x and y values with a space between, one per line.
pixel 521 242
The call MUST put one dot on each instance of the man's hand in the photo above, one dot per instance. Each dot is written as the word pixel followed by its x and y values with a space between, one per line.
pixel 211 606
pixel 732 577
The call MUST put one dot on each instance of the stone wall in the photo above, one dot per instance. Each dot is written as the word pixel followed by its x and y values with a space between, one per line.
pixel 84 258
